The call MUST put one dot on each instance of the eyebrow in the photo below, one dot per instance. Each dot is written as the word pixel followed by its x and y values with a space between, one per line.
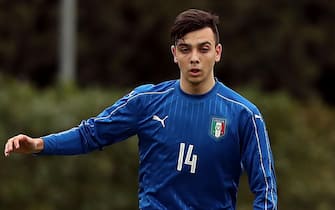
pixel 188 45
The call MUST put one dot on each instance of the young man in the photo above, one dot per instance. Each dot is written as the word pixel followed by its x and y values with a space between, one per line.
pixel 196 135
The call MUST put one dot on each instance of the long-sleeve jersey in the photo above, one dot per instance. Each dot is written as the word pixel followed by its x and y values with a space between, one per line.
pixel 192 148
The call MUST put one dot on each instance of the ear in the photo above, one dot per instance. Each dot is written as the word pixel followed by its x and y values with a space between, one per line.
pixel 173 51
pixel 218 52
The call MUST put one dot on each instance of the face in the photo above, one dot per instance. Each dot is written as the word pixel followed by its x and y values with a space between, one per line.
pixel 196 54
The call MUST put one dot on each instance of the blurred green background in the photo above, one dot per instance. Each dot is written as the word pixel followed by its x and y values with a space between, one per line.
pixel 279 54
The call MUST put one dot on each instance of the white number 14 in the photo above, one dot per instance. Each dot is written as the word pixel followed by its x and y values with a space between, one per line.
pixel 190 159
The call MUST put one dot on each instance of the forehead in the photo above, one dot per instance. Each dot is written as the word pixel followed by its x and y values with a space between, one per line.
pixel 197 37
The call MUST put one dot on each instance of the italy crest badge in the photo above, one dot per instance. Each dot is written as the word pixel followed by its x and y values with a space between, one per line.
pixel 218 127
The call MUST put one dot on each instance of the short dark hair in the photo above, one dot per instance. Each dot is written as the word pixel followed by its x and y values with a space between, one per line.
pixel 192 20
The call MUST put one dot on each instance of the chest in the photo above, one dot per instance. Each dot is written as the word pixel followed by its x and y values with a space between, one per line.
pixel 208 128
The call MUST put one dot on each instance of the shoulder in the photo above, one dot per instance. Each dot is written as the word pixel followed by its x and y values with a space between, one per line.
pixel 152 89
pixel 231 96
pixel 139 95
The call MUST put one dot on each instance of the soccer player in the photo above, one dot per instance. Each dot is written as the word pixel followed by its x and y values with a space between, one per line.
pixel 195 135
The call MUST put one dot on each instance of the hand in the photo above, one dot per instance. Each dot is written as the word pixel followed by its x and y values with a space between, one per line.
pixel 23 144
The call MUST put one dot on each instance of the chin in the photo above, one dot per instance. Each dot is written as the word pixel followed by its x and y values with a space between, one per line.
pixel 195 81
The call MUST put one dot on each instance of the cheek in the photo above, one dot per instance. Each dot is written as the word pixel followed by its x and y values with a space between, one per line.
pixel 209 60
pixel 181 60
pixel 176 58
pixel 181 65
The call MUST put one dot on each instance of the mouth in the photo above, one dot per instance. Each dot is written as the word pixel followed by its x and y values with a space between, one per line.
pixel 194 72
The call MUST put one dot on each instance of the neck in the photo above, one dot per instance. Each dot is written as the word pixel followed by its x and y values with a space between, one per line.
pixel 197 88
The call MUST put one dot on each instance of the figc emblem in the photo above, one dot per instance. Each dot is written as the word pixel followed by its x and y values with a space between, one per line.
pixel 218 127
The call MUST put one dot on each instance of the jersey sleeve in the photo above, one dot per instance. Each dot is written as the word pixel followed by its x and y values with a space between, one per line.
pixel 258 162
pixel 114 124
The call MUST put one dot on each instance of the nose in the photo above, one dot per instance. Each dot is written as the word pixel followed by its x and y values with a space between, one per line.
pixel 195 57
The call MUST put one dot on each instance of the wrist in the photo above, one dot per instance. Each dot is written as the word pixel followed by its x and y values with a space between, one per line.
pixel 39 145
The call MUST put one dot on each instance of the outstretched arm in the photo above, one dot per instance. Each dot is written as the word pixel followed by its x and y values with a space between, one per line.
pixel 23 144
pixel 114 124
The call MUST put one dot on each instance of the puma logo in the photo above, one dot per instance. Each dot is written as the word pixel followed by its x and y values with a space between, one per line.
pixel 162 121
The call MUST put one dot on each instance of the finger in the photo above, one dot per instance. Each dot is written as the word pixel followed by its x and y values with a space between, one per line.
pixel 16 143
pixel 5 150
pixel 7 153
pixel 8 148
pixel 10 144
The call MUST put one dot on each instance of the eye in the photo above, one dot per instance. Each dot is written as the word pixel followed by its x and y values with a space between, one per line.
pixel 204 49
pixel 184 50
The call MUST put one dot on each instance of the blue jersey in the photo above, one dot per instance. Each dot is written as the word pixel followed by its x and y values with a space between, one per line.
pixel 192 148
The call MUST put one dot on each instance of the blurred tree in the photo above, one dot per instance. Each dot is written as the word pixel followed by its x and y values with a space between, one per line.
pixel 278 44
pixel 29 37
pixel 275 44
